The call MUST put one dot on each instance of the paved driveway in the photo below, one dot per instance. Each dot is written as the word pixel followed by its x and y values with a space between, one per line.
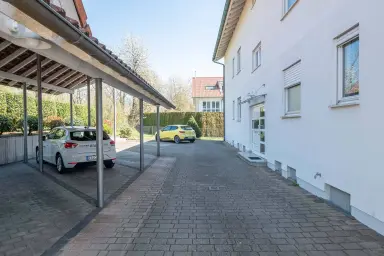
pixel 34 211
pixel 209 202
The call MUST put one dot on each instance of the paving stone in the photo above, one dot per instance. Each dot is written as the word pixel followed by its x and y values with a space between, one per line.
pixel 170 210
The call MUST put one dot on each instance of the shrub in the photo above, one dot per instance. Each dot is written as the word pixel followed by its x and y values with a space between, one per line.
pixel 107 128
pixel 192 122
pixel 126 132
pixel 53 121
pixel 3 103
pixel 32 122
pixel 5 124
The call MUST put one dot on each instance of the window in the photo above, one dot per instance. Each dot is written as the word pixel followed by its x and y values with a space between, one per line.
pixel 233 67
pixel 256 57
pixel 348 66
pixel 60 133
pixel 166 128
pixel 239 60
pixel 239 109
pixel 215 106
pixel 209 106
pixel 292 89
pixel 233 110
pixel 88 135
pixel 210 87
pixel 288 5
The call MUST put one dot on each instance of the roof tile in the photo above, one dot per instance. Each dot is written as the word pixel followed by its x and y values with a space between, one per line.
pixel 199 87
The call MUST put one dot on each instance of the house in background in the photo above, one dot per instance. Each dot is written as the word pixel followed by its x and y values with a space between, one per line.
pixel 207 94
pixel 303 94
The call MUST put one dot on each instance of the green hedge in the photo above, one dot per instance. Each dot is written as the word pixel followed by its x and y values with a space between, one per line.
pixel 3 103
pixel 11 106
pixel 210 123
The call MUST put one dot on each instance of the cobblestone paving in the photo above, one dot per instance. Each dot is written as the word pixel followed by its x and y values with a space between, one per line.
pixel 212 203
pixel 34 211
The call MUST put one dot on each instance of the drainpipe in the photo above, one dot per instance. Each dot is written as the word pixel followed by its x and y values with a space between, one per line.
pixel 223 92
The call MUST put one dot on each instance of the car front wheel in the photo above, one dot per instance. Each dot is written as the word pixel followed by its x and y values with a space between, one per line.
pixel 109 164
pixel 192 141
pixel 60 164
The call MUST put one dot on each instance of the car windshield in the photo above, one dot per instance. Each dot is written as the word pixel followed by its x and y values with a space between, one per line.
pixel 86 135
pixel 186 128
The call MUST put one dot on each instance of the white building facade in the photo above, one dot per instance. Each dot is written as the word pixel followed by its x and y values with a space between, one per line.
pixel 303 81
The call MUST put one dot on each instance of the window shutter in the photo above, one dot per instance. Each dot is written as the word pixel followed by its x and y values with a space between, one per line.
pixel 292 75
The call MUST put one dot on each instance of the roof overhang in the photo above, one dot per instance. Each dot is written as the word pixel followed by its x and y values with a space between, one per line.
pixel 231 15
pixel 73 49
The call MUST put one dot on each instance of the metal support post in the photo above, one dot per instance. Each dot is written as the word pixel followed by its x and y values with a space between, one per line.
pixel 89 100
pixel 114 114
pixel 158 129
pixel 71 108
pixel 25 125
pixel 141 136
pixel 99 142
pixel 40 112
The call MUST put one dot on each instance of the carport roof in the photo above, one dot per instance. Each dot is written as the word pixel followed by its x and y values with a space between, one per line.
pixel 21 63
pixel 55 19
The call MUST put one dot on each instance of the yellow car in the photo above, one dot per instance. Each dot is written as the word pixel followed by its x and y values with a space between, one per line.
pixel 177 133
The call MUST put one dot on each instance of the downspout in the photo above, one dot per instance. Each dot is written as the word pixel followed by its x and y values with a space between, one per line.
pixel 223 92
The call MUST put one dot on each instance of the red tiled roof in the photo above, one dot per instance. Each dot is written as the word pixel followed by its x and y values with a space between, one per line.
pixel 199 84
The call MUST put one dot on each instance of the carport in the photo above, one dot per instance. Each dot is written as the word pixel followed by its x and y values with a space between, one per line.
pixel 43 50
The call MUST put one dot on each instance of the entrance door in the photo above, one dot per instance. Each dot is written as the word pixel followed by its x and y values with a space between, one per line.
pixel 258 129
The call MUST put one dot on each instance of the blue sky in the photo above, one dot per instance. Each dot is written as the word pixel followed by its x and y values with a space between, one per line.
pixel 180 35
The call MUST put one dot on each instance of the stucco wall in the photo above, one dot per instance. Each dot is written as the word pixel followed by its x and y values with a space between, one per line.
pixel 344 144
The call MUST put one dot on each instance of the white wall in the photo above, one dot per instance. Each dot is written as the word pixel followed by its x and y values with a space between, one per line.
pixel 198 102
pixel 344 144
pixel 68 6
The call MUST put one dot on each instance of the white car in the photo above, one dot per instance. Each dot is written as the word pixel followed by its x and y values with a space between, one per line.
pixel 67 147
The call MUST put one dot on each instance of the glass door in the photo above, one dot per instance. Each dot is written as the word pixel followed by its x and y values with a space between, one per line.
pixel 258 129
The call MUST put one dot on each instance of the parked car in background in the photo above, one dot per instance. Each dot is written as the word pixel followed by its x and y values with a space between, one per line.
pixel 67 147
pixel 177 133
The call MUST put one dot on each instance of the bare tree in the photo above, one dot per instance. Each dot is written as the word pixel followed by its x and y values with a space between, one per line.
pixel 135 55
pixel 179 92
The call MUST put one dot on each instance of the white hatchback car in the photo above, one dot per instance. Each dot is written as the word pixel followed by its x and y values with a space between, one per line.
pixel 67 147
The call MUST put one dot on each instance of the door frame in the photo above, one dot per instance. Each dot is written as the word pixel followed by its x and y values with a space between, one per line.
pixel 261 128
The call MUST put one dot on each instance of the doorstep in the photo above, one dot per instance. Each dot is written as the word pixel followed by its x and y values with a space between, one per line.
pixel 252 159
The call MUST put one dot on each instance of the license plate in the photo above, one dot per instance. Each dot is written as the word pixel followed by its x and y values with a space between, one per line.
pixel 91 158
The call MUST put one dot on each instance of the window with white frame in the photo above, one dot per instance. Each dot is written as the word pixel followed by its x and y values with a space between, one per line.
pixel 348 66
pixel 233 110
pixel 216 106
pixel 204 106
pixel 239 60
pixel 239 109
pixel 256 57
pixel 288 5
pixel 211 106
pixel 233 67
pixel 292 89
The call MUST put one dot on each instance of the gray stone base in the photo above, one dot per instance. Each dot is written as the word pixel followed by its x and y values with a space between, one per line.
pixel 252 159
